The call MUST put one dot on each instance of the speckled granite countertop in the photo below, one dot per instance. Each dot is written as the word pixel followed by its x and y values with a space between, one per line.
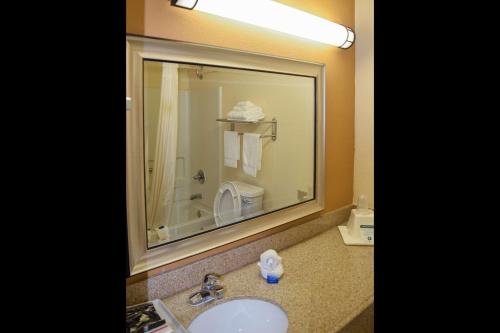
pixel 325 285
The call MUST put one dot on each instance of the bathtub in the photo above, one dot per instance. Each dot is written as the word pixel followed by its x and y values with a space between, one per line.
pixel 189 218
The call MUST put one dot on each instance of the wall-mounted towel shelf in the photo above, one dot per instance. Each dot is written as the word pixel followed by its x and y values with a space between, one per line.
pixel 274 123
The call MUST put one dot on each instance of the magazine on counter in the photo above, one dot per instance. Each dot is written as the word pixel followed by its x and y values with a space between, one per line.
pixel 147 317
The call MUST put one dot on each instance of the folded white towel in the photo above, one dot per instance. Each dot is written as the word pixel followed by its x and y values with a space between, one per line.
pixel 248 119
pixel 246 111
pixel 231 149
pixel 252 153
pixel 244 115
pixel 245 104
pixel 249 108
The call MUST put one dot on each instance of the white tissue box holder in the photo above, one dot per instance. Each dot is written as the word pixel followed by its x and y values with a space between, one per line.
pixel 359 229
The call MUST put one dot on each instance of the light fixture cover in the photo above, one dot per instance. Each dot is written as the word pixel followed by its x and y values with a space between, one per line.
pixel 188 4
pixel 276 16
pixel 350 39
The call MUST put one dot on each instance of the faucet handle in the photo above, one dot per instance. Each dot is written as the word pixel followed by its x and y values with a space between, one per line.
pixel 200 176
pixel 211 281
pixel 219 292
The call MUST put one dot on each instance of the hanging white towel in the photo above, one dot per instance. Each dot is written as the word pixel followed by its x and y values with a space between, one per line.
pixel 252 153
pixel 231 149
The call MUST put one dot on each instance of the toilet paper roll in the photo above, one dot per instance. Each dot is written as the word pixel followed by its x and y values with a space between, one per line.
pixel 162 232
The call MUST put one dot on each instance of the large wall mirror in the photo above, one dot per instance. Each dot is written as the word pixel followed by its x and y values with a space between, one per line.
pixel 221 145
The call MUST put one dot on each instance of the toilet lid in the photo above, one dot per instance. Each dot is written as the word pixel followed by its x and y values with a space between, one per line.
pixel 227 204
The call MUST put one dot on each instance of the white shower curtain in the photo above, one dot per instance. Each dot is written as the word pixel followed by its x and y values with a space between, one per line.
pixel 163 177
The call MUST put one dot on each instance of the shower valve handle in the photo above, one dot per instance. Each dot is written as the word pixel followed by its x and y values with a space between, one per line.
pixel 200 176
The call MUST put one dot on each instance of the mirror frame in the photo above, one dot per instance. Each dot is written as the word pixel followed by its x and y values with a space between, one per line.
pixel 142 259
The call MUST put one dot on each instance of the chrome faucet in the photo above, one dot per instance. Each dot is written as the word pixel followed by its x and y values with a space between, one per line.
pixel 211 289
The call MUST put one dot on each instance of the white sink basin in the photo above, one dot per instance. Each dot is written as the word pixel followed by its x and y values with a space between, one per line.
pixel 246 315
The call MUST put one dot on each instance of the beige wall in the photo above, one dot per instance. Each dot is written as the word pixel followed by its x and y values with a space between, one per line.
pixel 156 18
pixel 363 156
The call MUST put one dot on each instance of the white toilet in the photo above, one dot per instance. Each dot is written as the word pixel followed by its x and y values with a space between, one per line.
pixel 236 201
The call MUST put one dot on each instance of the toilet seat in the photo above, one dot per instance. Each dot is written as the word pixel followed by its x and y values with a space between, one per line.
pixel 227 204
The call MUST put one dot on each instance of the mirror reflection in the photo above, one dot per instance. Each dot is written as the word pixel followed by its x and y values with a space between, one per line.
pixel 223 146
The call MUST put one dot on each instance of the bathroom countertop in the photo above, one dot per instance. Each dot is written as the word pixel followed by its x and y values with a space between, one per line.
pixel 326 284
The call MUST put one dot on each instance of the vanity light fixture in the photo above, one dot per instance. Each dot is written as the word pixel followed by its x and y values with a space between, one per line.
pixel 276 16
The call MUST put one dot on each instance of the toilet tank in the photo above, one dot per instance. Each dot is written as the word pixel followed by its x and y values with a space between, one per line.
pixel 251 197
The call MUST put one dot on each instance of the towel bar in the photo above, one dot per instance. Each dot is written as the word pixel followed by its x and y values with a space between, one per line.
pixel 274 122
